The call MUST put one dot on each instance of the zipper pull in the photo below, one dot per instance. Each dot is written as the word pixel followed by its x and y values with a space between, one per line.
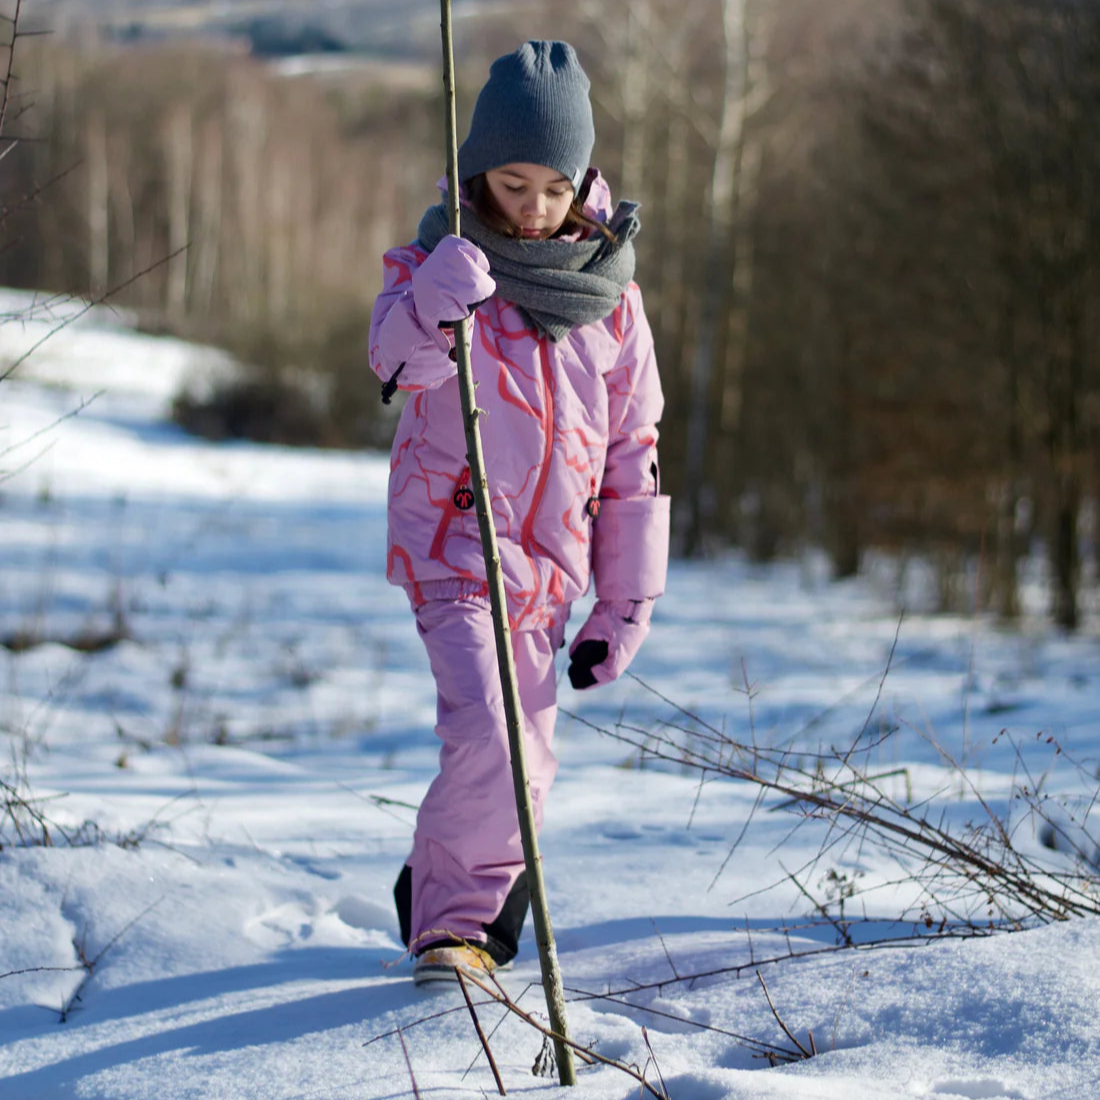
pixel 592 506
pixel 390 388
pixel 464 494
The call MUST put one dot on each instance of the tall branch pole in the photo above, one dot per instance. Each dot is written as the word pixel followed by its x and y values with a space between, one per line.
pixel 544 933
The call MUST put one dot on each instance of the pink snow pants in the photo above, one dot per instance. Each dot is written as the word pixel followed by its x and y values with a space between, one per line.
pixel 467 851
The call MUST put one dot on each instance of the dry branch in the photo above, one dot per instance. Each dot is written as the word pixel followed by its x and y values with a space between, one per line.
pixel 9 68
pixel 498 995
pixel 779 1020
pixel 656 1065
pixel 89 305
pixel 481 1034
pixel 89 965
pixel 408 1063
pixel 973 875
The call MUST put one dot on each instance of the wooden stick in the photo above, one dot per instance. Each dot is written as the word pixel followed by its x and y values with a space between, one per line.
pixel 544 934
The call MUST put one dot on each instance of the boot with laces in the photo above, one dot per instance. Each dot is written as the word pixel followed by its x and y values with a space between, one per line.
pixel 442 963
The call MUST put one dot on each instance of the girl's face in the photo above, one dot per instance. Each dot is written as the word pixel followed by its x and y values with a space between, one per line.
pixel 533 198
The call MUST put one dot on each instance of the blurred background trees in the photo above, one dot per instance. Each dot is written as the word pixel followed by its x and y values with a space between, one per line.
pixel 868 251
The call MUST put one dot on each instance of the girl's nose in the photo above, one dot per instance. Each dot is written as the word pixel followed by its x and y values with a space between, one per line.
pixel 537 206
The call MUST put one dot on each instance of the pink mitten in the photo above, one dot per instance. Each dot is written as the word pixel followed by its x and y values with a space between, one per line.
pixel 449 285
pixel 607 642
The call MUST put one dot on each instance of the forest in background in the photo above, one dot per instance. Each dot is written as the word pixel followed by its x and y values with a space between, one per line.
pixel 868 244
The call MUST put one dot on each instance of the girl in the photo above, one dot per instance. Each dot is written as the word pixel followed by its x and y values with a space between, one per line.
pixel 563 358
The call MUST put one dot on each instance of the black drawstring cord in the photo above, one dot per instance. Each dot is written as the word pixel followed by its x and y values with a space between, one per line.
pixel 390 388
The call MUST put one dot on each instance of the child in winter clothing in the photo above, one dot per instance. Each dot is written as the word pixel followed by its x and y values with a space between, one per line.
pixel 563 357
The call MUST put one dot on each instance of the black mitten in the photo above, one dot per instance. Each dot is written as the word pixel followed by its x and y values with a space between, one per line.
pixel 585 657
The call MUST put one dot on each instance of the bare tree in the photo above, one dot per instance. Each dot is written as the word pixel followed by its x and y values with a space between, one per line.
pixel 1022 83
pixel 727 266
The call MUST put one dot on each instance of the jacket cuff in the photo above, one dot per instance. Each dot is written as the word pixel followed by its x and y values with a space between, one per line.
pixel 404 339
pixel 630 548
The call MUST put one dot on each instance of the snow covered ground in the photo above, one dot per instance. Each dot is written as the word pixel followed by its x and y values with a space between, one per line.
pixel 207 676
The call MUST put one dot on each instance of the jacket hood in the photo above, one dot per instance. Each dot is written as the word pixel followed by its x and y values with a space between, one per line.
pixel 598 204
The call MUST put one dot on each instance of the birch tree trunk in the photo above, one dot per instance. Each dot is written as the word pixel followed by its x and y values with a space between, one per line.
pixel 247 146
pixel 722 207
pixel 634 91
pixel 122 198
pixel 747 159
pixel 209 195
pixel 179 159
pixel 98 204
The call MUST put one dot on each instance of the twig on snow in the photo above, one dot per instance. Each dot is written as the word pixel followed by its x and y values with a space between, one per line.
pixel 779 1020
pixel 89 965
pixel 656 1065
pixel 758 1046
pixel 664 947
pixel 587 1054
pixel 408 1062
pixel 481 1034
pixel 39 970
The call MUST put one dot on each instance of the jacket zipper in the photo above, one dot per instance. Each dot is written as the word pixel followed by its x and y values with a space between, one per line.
pixel 527 539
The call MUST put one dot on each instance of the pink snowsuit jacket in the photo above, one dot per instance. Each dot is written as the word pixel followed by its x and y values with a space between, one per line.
pixel 570 445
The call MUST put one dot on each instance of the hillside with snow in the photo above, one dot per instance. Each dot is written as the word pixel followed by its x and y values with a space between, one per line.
pixel 269 28
pixel 219 716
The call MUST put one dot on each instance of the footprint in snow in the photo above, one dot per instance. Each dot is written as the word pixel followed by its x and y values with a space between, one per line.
pixel 357 912
pixel 986 1089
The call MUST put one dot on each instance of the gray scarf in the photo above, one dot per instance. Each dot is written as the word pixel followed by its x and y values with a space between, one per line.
pixel 556 284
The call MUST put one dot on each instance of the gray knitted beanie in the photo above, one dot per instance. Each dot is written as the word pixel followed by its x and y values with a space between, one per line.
pixel 534 109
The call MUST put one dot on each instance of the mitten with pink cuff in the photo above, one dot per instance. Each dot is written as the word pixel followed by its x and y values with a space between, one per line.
pixel 630 562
